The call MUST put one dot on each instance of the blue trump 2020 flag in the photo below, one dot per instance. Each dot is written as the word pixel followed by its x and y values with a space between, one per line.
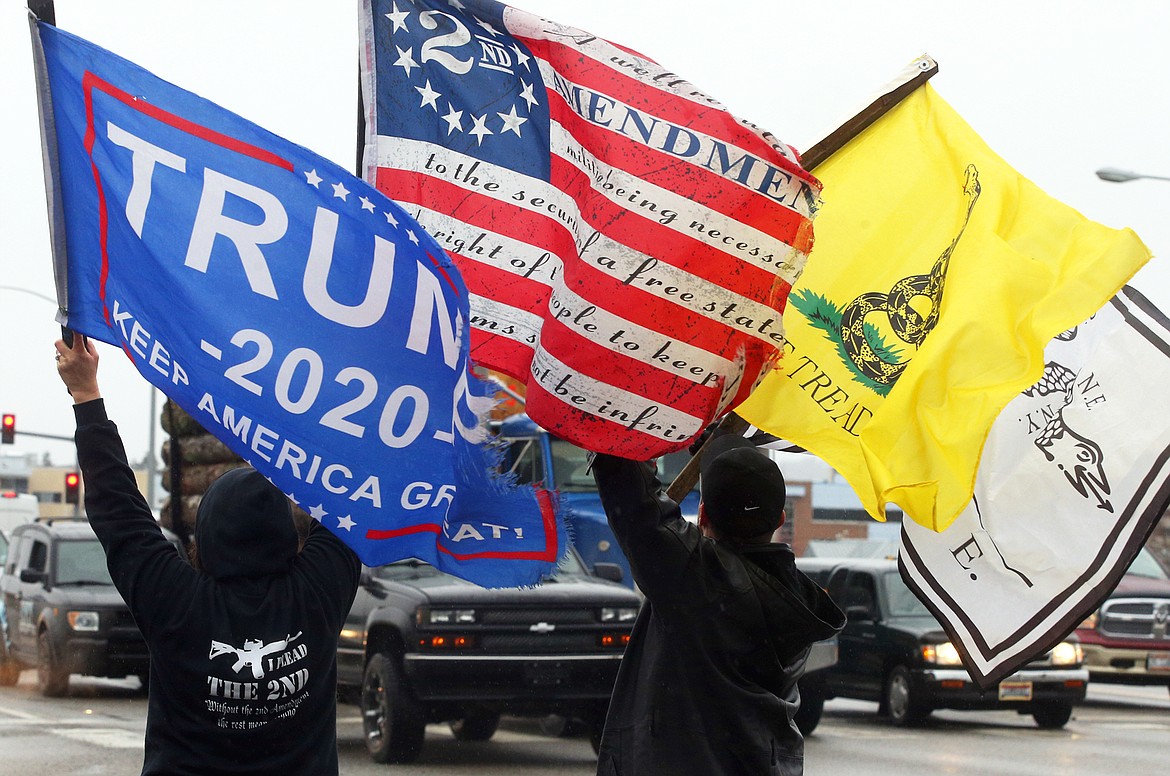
pixel 294 311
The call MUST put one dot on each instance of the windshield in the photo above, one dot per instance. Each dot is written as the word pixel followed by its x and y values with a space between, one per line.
pixel 671 465
pixel 570 566
pixel 1145 565
pixel 902 601
pixel 571 467
pixel 82 562
pixel 523 459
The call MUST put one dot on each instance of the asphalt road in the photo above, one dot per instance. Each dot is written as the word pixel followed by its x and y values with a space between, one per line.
pixel 1119 731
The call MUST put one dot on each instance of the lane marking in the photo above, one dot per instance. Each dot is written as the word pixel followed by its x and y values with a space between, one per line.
pixel 108 738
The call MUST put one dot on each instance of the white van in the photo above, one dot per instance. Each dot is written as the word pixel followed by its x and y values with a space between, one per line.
pixel 15 509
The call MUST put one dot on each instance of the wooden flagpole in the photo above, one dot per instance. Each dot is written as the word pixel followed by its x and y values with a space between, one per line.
pixel 913 76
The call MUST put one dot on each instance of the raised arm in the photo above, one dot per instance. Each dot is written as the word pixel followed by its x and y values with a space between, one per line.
pixel 141 560
pixel 648 525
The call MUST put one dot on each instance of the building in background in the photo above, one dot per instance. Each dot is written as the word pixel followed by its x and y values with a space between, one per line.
pixel 26 474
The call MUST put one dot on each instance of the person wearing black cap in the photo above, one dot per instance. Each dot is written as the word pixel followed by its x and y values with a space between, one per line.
pixel 707 684
pixel 243 649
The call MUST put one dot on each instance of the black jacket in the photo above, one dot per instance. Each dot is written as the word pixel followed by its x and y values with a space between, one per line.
pixel 243 669
pixel 708 682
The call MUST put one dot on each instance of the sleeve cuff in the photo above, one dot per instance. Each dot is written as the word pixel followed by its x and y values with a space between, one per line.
pixel 90 412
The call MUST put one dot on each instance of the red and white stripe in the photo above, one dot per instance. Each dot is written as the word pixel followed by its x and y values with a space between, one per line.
pixel 637 295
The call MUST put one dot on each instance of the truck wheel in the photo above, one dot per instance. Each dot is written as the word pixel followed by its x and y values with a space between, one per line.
pixel 391 717
pixel 52 677
pixel 1052 716
pixel 902 704
pixel 476 726
pixel 812 705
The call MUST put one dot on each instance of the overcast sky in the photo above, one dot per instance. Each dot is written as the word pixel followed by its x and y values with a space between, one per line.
pixel 1058 89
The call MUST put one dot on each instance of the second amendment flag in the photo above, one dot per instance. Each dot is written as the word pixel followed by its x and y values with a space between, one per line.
pixel 628 243
pixel 938 277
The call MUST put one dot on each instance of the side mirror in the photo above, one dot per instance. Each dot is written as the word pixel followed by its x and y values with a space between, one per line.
pixel 610 571
pixel 859 613
pixel 33 576
pixel 371 584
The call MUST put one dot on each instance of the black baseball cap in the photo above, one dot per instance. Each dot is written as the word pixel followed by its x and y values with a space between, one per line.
pixel 742 488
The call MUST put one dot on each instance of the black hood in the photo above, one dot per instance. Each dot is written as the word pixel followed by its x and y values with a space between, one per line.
pixel 796 609
pixel 244 527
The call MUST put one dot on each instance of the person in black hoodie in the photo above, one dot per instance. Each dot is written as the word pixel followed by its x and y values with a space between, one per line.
pixel 243 649
pixel 707 684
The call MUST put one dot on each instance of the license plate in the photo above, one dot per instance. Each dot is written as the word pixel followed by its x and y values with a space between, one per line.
pixel 1015 691
pixel 543 675
pixel 1158 661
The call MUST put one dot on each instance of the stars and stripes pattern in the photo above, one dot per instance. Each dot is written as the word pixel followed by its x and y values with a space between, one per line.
pixel 628 244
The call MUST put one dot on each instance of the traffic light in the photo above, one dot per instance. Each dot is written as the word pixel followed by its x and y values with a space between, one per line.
pixel 72 487
pixel 8 428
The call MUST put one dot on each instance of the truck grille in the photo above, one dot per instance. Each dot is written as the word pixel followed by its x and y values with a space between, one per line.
pixel 527 617
pixel 1136 618
pixel 540 643
pixel 518 630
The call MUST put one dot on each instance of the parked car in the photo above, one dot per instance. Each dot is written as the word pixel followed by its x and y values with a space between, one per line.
pixel 62 614
pixel 893 651
pixel 422 646
pixel 1126 639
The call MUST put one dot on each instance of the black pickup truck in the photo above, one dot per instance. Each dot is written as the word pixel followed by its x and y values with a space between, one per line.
pixel 894 651
pixel 421 646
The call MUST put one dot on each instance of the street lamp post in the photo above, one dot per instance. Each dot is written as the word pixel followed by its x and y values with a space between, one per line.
pixel 1114 175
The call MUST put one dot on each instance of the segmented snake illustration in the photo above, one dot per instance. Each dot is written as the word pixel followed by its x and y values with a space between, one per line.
pixel 910 325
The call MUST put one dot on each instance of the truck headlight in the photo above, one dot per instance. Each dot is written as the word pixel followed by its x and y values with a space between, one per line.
pixel 446 616
pixel 1067 653
pixel 83 621
pixel 943 654
pixel 619 613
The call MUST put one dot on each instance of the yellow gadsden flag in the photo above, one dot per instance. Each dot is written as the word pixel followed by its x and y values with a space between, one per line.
pixel 938 276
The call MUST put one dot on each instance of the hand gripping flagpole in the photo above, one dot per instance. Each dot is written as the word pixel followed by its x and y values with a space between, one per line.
pixel 912 76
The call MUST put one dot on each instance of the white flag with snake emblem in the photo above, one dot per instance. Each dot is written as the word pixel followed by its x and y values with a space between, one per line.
pixel 1075 475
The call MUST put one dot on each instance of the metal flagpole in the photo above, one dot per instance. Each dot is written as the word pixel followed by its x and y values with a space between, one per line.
pixel 913 76
pixel 43 10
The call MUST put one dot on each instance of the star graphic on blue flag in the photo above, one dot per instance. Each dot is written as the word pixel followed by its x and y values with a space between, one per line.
pixel 480 82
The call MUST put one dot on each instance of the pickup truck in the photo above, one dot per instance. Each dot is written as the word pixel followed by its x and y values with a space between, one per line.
pixel 62 614
pixel 893 651
pixel 421 646
pixel 1127 639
